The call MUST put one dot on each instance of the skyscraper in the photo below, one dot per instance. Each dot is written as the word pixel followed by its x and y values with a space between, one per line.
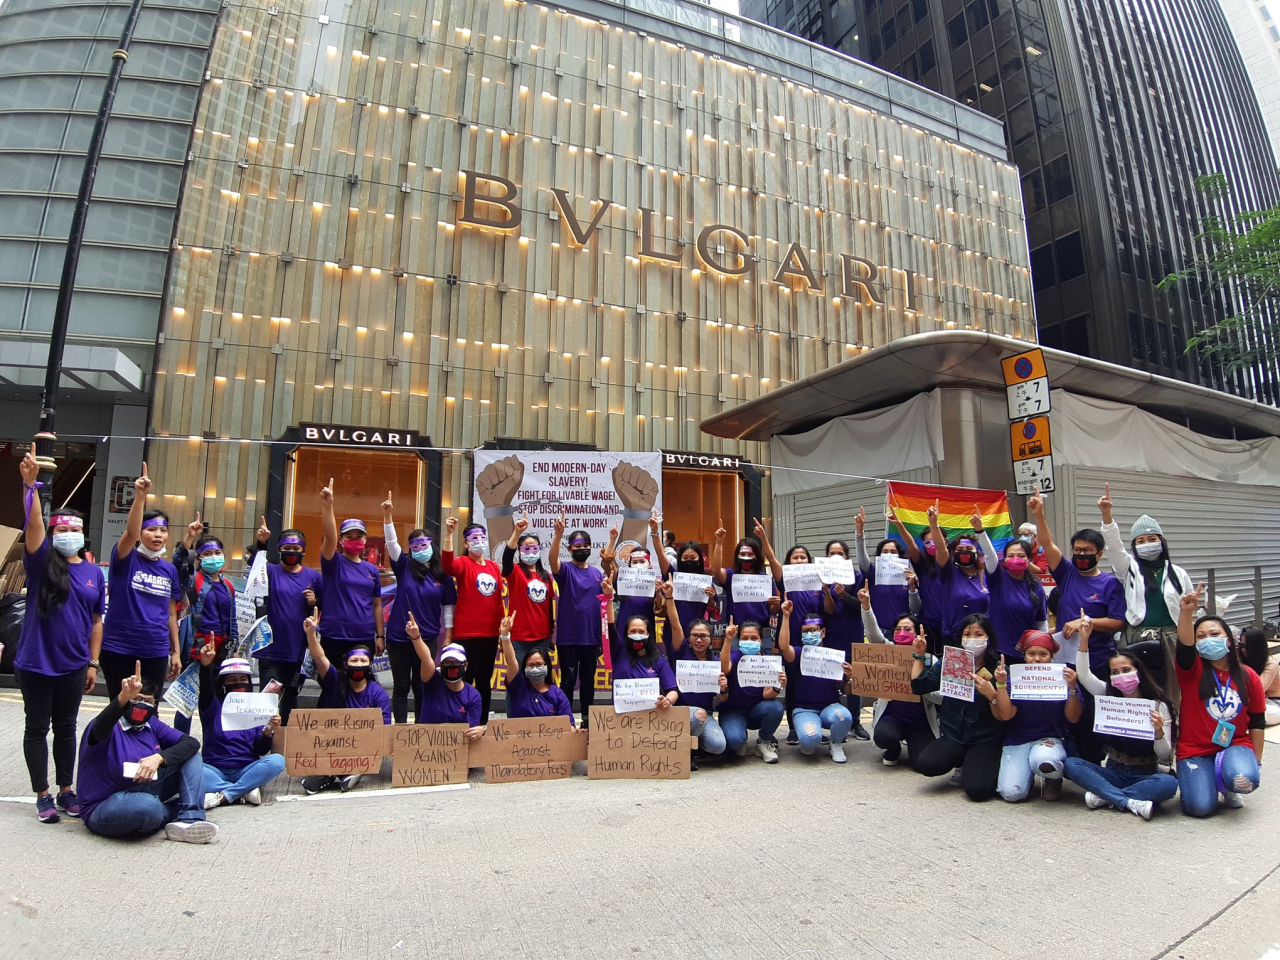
pixel 1111 111
pixel 1256 27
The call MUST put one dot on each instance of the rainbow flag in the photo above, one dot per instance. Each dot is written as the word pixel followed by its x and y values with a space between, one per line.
pixel 955 507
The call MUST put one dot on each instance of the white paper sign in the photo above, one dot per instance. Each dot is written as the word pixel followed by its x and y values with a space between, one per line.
pixel 698 676
pixel 246 615
pixel 801 576
pixel 184 693
pixel 690 587
pixel 1067 648
pixel 245 711
pixel 957 674
pixel 822 662
pixel 759 671
pixel 130 769
pixel 1037 681
pixel 633 696
pixel 836 570
pixel 1124 717
pixel 635 582
pixel 891 571
pixel 752 587
pixel 256 581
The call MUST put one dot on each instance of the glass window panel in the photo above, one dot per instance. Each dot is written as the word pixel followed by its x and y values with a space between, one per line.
pixel 16 258
pixel 123 315
pixel 1070 256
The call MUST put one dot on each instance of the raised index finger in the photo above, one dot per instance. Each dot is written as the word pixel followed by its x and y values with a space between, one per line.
pixel 137 670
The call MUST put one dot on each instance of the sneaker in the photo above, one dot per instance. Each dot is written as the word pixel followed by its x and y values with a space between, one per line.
pixel 351 782
pixel 191 831
pixel 793 738
pixel 767 751
pixel 68 803
pixel 214 800
pixel 1095 802
pixel 837 753
pixel 1232 800
pixel 1051 790
pixel 826 741
pixel 860 732
pixel 957 780
pixel 253 798
pixel 45 809
pixel 1141 808
pixel 890 759
pixel 313 785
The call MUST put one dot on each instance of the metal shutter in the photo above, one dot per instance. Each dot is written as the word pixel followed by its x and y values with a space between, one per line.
pixel 815 516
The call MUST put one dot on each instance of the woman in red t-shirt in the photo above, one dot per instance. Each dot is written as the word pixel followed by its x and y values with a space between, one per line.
pixel 1222 716
pixel 529 594
pixel 479 608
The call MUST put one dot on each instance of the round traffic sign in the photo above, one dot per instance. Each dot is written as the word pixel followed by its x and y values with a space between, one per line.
pixel 1029 430
pixel 1022 368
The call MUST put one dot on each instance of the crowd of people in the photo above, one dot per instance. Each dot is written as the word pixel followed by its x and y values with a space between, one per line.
pixel 1128 623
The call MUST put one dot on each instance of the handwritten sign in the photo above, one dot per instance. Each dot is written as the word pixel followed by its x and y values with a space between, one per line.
pixel 690 587
pixel 957 674
pixel 882 671
pixel 530 748
pixel 1124 717
pixel 752 587
pixel 636 582
pixel 429 754
pixel 184 693
pixel 698 676
pixel 334 742
pixel 797 577
pixel 246 616
pixel 631 696
pixel 653 745
pixel 836 570
pixel 824 662
pixel 759 671
pixel 245 711
pixel 891 571
pixel 1037 681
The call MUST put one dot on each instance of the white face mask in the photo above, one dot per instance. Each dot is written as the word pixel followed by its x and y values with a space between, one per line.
pixel 148 552
pixel 975 645
pixel 1149 551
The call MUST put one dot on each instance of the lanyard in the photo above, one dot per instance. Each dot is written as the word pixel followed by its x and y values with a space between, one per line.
pixel 1222 690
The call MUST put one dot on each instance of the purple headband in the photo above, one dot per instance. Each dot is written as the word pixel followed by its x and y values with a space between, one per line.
pixel 293 540
pixel 811 622
pixel 155 522
pixel 354 650
pixel 211 545
pixel 579 542
pixel 967 543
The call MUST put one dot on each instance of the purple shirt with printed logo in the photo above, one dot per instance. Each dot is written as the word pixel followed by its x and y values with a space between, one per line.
pixel 137 623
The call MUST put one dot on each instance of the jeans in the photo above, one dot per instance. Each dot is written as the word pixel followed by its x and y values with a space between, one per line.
pixel 809 724
pixel 792 672
pixel 177 793
pixel 1198 778
pixel 482 654
pixel 1119 785
pixel 289 673
pixel 889 733
pixel 48 700
pixel 578 662
pixel 406 675
pixel 980 763
pixel 1020 762
pixel 765 716
pixel 117 666
pixel 235 782
pixel 710 736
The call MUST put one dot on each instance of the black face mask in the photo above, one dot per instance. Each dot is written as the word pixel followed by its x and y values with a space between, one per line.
pixel 689 566
pixel 239 688
pixel 452 673
pixel 138 712
pixel 582 554
pixel 1084 561
pixel 359 674
pixel 639 646
pixel 966 558
pixel 291 558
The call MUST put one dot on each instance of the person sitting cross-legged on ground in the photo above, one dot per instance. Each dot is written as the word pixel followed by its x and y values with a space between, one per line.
pixel 237 763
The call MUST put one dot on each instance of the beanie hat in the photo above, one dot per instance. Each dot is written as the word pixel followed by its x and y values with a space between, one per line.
pixel 1144 525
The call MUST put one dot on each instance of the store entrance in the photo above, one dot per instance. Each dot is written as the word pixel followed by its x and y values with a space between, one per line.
pixel 694 502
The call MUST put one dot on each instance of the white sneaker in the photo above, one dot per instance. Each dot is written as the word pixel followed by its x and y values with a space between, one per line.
pixel 191 831
pixel 1141 808
pixel 1095 802
pixel 890 761
pixel 1232 800
pixel 768 752
pixel 956 779
pixel 214 800
pixel 743 750
pixel 253 798
pixel 351 782
pixel 837 753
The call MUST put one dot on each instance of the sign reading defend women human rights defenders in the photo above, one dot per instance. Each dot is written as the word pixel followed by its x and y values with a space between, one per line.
pixel 594 491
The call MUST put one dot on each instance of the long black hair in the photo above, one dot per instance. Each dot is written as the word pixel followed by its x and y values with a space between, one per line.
pixel 1253 649
pixel 758 565
pixel 1208 681
pixel 696 547
pixel 885 542
pixel 1148 689
pixel 650 655
pixel 432 567
pixel 55 586
pixel 991 656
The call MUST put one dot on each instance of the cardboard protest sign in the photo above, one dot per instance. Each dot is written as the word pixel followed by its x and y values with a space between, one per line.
pixel 653 745
pixel 836 570
pixel 1124 717
pixel 184 693
pixel 631 696
pixel 801 576
pixel 333 742
pixel 891 571
pixel 824 662
pixel 752 587
pixel 636 582
pixel 1037 681
pixel 690 587
pixel 957 674
pixel 881 670
pixel 529 748
pixel 429 754
pixel 758 671
pixel 698 676
pixel 245 711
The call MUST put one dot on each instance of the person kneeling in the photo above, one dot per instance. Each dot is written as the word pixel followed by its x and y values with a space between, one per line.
pixel 237 763
pixel 138 774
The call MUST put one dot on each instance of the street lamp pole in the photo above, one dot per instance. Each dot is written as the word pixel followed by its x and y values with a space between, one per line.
pixel 47 435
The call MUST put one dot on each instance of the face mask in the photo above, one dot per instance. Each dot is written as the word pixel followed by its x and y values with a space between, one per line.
pixel 291 559
pixel 353 546
pixel 886 552
pixel 1084 561
pixel 452 672
pixel 138 712
pixel 359 674
pixel 212 564
pixel 68 544
pixel 689 566
pixel 1149 551
pixel 746 559
pixel 1212 648
pixel 1016 564
pixel 904 637
pixel 148 552
pixel 238 688
pixel 640 563
pixel 1125 682
pixel 931 548
pixel 582 554
pixel 423 555
pixel 535 674
pixel 478 546
pixel 749 648
pixel 975 645
pixel 639 641
pixel 530 557
pixel 966 558
pixel 810 637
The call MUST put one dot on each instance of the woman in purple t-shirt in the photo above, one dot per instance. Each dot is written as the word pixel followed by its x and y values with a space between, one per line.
pixel 57 659
pixel 351 587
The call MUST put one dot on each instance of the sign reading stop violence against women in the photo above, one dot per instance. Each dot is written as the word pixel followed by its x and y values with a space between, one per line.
pixel 530 748
pixel 429 754
pixel 653 745
pixel 339 742
pixel 881 671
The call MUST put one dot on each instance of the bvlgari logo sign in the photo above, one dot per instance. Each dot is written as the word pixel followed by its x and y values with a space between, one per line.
pixel 347 436
pixel 721 248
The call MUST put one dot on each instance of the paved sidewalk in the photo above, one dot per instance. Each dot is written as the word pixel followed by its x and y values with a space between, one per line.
pixel 805 859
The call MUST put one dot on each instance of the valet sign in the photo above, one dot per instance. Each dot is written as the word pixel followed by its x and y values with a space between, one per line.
pixel 721 247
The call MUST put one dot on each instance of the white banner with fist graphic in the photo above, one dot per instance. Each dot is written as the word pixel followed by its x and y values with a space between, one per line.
pixel 594 491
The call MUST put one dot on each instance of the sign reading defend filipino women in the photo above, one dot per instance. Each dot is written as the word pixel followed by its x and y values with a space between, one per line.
pixel 594 491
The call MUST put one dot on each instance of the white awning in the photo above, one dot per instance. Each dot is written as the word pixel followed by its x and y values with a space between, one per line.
pixel 102 369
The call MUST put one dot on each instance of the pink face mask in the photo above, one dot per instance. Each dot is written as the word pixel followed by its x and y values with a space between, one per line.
pixel 931 548
pixel 1125 682
pixel 353 546
pixel 1016 564
pixel 903 637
